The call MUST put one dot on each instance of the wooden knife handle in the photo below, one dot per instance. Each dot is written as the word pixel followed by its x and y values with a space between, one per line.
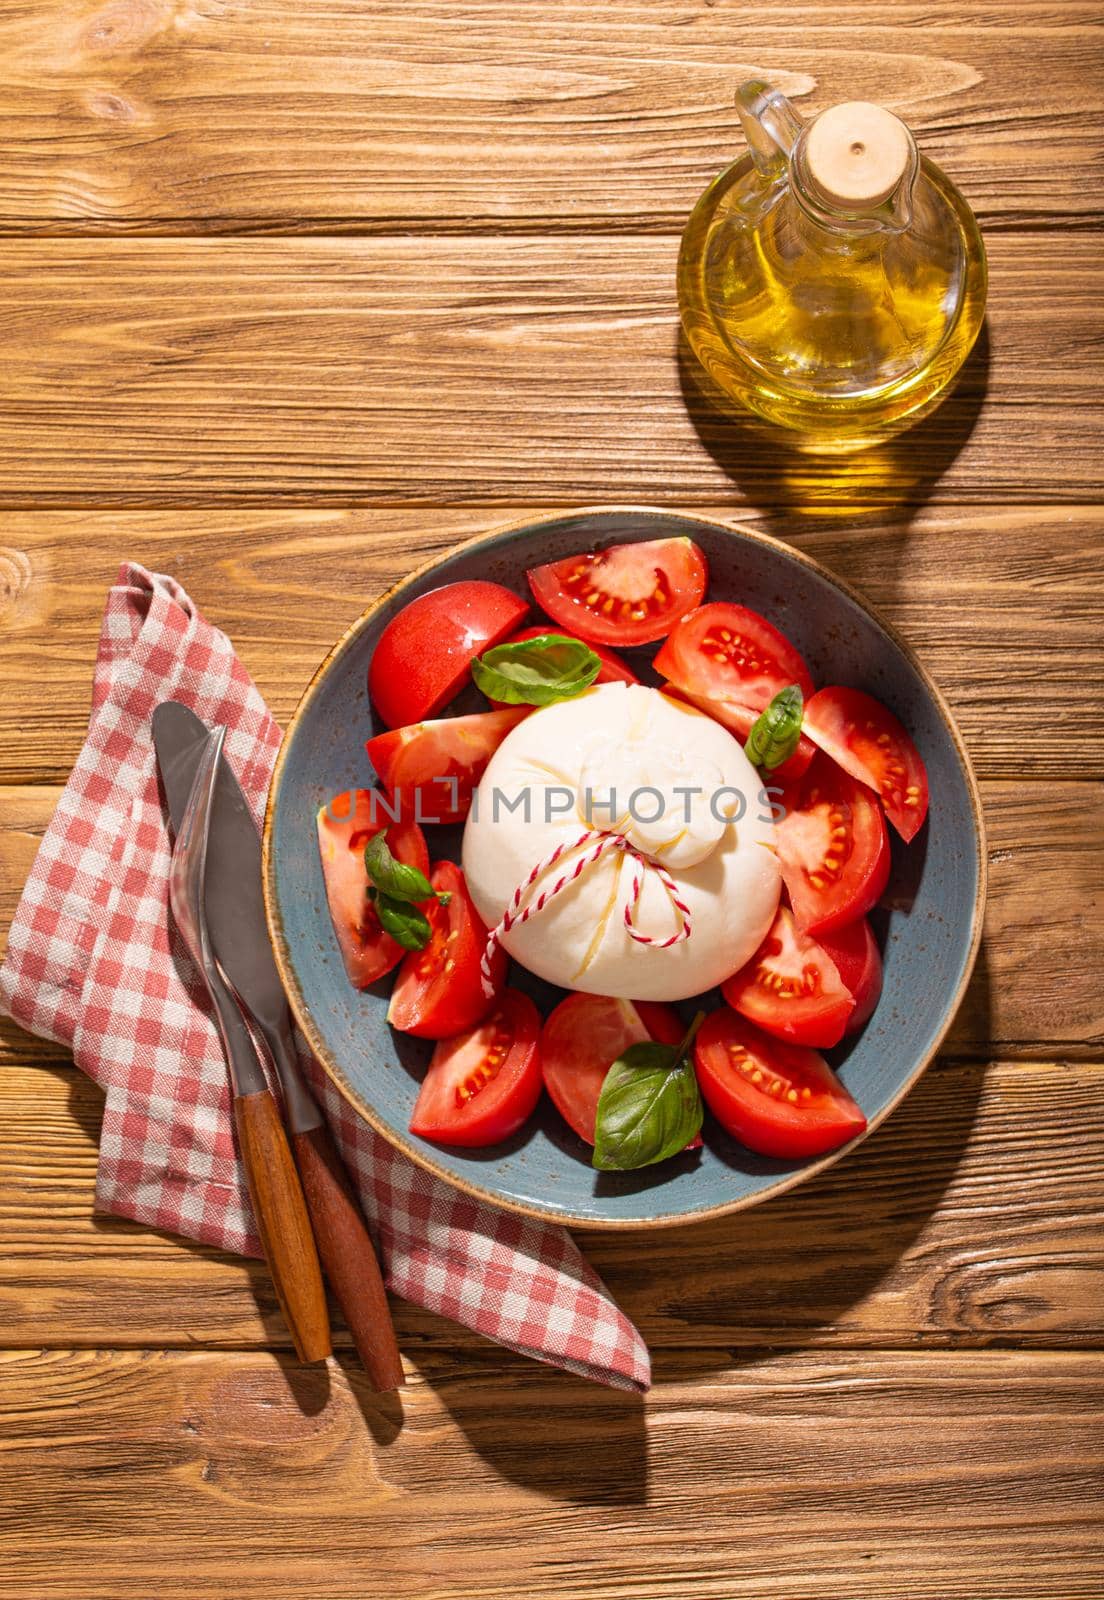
pixel 283 1223
pixel 349 1257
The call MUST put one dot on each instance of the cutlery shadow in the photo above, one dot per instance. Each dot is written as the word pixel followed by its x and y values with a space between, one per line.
pixel 309 1385
pixel 383 1413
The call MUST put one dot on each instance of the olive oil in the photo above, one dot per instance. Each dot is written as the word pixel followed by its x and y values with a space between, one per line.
pixel 833 285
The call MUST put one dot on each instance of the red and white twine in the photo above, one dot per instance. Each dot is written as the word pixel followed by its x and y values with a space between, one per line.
pixel 602 843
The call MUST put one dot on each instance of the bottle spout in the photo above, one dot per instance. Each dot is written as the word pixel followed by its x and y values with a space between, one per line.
pixel 770 123
pixel 897 212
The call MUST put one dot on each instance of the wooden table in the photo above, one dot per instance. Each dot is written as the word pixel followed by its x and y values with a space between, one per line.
pixel 292 295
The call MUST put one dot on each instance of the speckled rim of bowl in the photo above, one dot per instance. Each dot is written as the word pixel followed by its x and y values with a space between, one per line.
pixel 423 1158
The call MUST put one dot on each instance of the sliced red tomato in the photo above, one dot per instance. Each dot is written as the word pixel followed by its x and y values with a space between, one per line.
pixel 439 990
pixel 344 828
pixel 833 848
pixel 778 1099
pixel 727 652
pixel 432 768
pixel 792 988
pixel 581 1040
pixel 867 741
pixel 740 720
pixel 483 1084
pixel 859 964
pixel 629 594
pixel 424 653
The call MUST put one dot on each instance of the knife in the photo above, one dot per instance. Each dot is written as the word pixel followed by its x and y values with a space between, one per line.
pixel 239 936
pixel 280 1210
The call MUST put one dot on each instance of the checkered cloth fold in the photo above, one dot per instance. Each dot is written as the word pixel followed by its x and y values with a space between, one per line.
pixel 94 964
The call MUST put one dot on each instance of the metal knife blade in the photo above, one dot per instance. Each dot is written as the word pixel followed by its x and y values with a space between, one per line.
pixel 234 897
pixel 234 905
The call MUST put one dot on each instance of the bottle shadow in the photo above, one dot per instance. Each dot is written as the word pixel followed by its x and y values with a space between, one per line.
pixel 890 480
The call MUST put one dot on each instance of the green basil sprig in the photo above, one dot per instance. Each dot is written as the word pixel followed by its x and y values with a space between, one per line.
pixel 394 878
pixel 650 1106
pixel 774 734
pixel 407 925
pixel 394 890
pixel 536 672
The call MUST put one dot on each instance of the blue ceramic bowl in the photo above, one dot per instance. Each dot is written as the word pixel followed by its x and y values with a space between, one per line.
pixel 928 926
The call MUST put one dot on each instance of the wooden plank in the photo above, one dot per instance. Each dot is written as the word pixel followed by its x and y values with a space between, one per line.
pixel 1045 917
pixel 203 1475
pixel 507 115
pixel 420 370
pixel 1044 921
pixel 964 586
pixel 911 1240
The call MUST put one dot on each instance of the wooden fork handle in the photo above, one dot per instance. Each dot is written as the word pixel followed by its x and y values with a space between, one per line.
pixel 349 1256
pixel 283 1223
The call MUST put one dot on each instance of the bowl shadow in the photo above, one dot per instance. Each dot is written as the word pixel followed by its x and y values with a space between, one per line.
pixel 804 1269
pixel 550 1432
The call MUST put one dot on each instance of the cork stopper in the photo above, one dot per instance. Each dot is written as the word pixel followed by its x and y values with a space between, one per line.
pixel 857 154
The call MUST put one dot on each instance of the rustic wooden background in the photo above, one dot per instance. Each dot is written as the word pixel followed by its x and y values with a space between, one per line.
pixel 290 294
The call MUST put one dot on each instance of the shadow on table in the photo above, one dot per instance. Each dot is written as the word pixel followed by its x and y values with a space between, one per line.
pixel 546 1430
pixel 708 1298
pixel 774 1276
pixel 885 483
pixel 780 1274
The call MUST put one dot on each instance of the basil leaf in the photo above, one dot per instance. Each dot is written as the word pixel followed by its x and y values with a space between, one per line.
pixel 650 1106
pixel 774 734
pixel 394 878
pixel 536 672
pixel 405 923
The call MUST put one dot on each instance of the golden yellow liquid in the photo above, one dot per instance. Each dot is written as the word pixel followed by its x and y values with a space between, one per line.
pixel 842 338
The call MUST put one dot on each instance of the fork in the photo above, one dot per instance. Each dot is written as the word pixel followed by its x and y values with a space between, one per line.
pixel 273 1183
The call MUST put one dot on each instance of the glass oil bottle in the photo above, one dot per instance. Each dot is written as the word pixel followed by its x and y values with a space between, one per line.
pixel 833 280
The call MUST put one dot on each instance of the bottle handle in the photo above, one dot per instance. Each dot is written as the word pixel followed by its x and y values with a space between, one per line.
pixel 770 123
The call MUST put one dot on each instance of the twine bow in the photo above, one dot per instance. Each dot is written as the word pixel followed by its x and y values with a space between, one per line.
pixel 602 842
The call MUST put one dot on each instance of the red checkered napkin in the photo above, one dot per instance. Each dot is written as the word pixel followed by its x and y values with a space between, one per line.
pixel 93 964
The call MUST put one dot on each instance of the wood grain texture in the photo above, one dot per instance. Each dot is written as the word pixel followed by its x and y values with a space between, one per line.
pixel 972 1216
pixel 411 371
pixel 200 1476
pixel 887 1383
pixel 222 115
pixel 1003 605
pixel 1044 921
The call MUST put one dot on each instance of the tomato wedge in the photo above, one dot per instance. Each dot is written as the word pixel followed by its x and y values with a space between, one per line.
pixel 581 1040
pixel 439 990
pixel 866 740
pixel 859 964
pixel 778 1099
pixel 727 652
pixel 833 849
pixel 740 720
pixel 423 654
pixel 792 988
pixel 344 828
pixel 629 594
pixel 431 769
pixel 483 1084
